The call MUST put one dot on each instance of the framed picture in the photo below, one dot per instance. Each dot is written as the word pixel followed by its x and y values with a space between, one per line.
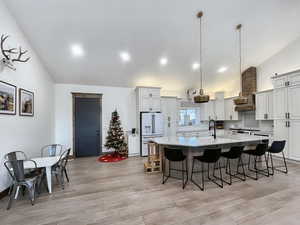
pixel 26 101
pixel 8 93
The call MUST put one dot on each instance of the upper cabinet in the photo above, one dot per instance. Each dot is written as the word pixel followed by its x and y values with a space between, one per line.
pixel 169 109
pixel 148 99
pixel 207 111
pixel 286 96
pixel 264 105
pixel 230 113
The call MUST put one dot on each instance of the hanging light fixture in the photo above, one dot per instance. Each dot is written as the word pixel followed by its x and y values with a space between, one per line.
pixel 241 99
pixel 201 98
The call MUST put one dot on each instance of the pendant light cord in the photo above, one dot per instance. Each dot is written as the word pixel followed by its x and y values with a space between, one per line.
pixel 239 28
pixel 200 14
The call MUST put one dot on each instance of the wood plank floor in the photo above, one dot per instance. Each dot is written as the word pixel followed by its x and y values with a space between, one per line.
pixel 120 193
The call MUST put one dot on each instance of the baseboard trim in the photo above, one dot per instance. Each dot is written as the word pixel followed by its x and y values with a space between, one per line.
pixel 4 193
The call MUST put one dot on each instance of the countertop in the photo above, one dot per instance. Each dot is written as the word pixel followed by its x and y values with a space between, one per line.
pixel 208 141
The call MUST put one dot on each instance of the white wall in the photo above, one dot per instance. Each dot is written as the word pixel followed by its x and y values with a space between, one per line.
pixel 28 134
pixel 122 99
pixel 286 60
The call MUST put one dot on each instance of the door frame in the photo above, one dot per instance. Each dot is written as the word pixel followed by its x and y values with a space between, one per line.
pixel 84 95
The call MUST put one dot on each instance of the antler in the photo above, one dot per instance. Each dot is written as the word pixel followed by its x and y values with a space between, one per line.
pixel 4 51
pixel 21 53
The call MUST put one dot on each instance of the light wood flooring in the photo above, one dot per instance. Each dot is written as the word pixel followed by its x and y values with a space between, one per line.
pixel 120 193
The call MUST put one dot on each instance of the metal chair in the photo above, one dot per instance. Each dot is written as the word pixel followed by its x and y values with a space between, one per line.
pixel 258 153
pixel 60 169
pixel 51 150
pixel 234 153
pixel 16 155
pixel 20 179
pixel 210 156
pixel 173 156
pixel 277 147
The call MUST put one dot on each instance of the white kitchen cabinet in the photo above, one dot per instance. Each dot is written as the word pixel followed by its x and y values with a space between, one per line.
pixel 264 105
pixel 169 108
pixel 219 109
pixel 294 102
pixel 287 111
pixel 133 145
pixel 230 113
pixel 281 132
pixel 148 99
pixel 280 103
pixel 207 111
pixel 294 130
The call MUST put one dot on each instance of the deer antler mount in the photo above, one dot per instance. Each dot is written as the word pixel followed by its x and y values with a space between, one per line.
pixel 11 55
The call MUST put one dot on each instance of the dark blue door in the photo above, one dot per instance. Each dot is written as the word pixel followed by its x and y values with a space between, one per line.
pixel 88 127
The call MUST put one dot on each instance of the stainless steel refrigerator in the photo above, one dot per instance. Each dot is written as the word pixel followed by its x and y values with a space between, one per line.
pixel 152 126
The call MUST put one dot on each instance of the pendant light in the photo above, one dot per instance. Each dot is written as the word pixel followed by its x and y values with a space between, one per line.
pixel 241 99
pixel 201 98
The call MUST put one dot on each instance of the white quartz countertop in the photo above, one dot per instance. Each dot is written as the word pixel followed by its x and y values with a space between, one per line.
pixel 207 141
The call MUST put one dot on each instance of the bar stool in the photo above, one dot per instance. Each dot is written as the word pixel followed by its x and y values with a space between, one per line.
pixel 173 156
pixel 210 156
pixel 234 153
pixel 258 153
pixel 277 147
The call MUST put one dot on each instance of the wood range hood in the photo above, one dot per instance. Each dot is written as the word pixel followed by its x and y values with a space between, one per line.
pixel 246 101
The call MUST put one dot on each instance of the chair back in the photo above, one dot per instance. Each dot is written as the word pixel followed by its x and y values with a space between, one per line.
pixel 16 155
pixel 261 149
pixel 236 151
pixel 277 146
pixel 51 150
pixel 174 154
pixel 63 160
pixel 16 169
pixel 212 155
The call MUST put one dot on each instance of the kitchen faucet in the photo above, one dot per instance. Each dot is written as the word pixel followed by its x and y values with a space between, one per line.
pixel 214 126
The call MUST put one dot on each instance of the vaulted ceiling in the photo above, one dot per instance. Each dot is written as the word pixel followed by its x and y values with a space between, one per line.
pixel 149 30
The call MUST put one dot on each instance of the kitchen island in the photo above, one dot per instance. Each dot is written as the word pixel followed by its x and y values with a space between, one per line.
pixel 193 146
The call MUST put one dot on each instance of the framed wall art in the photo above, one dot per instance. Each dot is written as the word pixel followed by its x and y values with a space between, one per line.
pixel 26 102
pixel 8 93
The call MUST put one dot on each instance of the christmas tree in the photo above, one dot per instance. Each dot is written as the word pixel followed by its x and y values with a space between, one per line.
pixel 115 136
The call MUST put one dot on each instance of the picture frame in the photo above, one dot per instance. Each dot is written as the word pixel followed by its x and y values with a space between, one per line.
pixel 8 98
pixel 26 102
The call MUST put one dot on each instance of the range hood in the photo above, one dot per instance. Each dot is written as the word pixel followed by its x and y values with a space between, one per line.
pixel 246 100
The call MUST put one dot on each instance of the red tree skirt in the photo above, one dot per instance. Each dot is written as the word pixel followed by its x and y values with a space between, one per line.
pixel 111 157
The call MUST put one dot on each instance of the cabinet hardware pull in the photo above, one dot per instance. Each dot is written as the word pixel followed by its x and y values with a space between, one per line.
pixel 289 124
pixel 288 115
pixel 286 124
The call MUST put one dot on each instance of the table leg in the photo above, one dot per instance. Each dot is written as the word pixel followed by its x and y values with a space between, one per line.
pixel 49 179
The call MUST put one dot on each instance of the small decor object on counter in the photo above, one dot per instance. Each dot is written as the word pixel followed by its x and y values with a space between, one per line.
pixel 153 164
pixel 8 93
pixel 115 140
pixel 26 101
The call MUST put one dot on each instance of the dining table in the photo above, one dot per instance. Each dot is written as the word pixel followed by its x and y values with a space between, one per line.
pixel 44 162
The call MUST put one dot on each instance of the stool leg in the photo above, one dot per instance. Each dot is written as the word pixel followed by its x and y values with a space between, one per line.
pixel 286 169
pixel 182 173
pixel 267 165
pixel 242 163
pixel 272 164
pixel 202 171
pixel 230 176
pixel 255 167
pixel 221 174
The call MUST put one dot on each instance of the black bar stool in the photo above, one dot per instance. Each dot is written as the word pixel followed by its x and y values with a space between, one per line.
pixel 234 153
pixel 258 153
pixel 277 147
pixel 173 156
pixel 210 156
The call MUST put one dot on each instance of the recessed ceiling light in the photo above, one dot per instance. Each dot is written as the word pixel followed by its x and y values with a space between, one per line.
pixel 222 69
pixel 125 56
pixel 196 66
pixel 77 50
pixel 163 61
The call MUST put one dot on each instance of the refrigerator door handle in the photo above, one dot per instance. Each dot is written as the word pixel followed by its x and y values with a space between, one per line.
pixel 153 123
